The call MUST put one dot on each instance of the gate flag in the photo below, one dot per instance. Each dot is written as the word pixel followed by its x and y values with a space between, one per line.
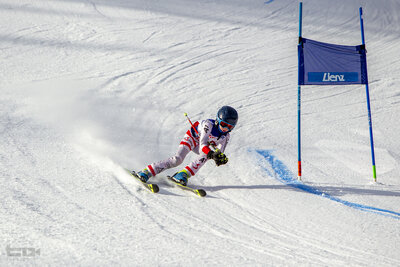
pixel 330 64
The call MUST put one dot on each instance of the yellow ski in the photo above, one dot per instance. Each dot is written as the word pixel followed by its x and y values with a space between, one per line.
pixel 199 192
pixel 152 187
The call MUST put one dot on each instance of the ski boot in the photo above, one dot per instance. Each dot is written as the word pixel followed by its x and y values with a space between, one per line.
pixel 144 175
pixel 181 177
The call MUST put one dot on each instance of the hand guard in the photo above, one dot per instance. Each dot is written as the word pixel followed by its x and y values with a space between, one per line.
pixel 218 157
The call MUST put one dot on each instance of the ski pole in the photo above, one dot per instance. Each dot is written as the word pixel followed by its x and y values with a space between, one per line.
pixel 187 117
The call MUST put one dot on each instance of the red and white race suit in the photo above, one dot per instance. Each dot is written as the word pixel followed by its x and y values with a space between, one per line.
pixel 208 138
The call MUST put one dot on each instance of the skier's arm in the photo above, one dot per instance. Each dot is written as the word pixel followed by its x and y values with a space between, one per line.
pixel 218 153
pixel 215 153
pixel 223 145
pixel 205 128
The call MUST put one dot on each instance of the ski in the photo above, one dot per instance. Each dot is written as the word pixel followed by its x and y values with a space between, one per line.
pixel 152 187
pixel 199 192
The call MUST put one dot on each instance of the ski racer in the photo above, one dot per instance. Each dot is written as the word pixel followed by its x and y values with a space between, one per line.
pixel 207 138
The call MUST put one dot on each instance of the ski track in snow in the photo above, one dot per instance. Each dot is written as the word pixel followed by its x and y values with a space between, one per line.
pixel 90 87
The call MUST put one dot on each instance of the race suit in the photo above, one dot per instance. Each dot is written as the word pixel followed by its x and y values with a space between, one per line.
pixel 208 137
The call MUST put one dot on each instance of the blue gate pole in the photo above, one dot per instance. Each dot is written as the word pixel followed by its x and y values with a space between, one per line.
pixel 299 97
pixel 368 103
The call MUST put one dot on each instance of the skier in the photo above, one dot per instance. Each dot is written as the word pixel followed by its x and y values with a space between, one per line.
pixel 207 138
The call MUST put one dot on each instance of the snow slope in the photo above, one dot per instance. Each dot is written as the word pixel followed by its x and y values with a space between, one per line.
pixel 89 87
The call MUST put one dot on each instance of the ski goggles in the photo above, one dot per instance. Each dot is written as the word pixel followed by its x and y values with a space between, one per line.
pixel 224 124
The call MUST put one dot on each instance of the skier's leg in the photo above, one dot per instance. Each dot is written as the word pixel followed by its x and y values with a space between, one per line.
pixel 169 163
pixel 190 170
pixel 195 165
pixel 185 146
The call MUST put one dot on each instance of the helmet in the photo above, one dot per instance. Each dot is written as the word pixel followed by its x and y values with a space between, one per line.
pixel 227 117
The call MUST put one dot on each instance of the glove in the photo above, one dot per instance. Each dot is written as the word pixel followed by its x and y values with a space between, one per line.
pixel 218 157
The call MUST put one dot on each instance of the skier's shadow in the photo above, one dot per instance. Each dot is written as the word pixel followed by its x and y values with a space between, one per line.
pixel 247 187
pixel 328 189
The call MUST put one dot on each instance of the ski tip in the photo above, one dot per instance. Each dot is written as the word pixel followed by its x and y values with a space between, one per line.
pixel 130 171
pixel 155 188
pixel 201 192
